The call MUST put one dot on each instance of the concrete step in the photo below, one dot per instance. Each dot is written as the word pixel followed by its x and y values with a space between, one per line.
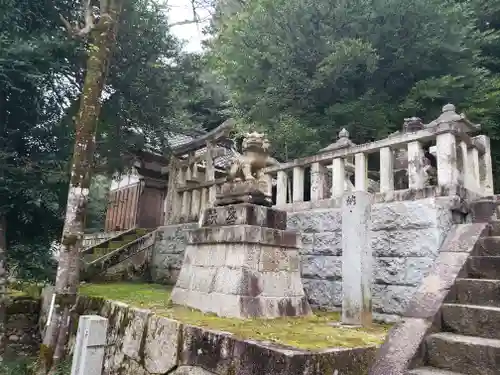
pixel 467 354
pixel 471 320
pixel 484 267
pixel 482 292
pixel 431 371
pixel 488 246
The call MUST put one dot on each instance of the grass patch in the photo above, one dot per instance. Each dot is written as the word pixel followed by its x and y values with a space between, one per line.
pixel 27 366
pixel 311 333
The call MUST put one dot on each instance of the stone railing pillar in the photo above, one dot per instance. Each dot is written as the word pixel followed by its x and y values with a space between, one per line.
pixel 186 196
pixel 464 165
pixel 195 204
pixel 361 172
pixel 338 177
pixel 485 165
pixel 281 188
pixel 298 184
pixel 416 173
pixel 446 150
pixel 473 160
pixel 386 170
pixel 318 177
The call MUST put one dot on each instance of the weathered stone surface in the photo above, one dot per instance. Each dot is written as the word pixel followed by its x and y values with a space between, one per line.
pixel 323 293
pixel 484 267
pixel 168 252
pixel 477 292
pixel 210 350
pixel 170 347
pixel 405 243
pixel 162 345
pixel 248 214
pixel 480 321
pixel 399 347
pixel 191 370
pixel 391 299
pixel 315 221
pixel 406 337
pixel 322 267
pixel 464 354
pixel 244 234
pixel 134 333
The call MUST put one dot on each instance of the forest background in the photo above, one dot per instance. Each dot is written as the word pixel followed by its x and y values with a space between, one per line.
pixel 300 70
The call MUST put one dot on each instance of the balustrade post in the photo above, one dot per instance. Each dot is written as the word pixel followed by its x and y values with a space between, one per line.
pixel 186 196
pixel 485 166
pixel 473 159
pixel 269 183
pixel 195 204
pixel 298 184
pixel 465 165
pixel 338 177
pixel 318 175
pixel 204 199
pixel 386 170
pixel 281 188
pixel 416 173
pixel 360 172
pixel 446 149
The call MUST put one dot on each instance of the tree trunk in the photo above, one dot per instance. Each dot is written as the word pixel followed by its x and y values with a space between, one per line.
pixel 102 39
pixel 3 286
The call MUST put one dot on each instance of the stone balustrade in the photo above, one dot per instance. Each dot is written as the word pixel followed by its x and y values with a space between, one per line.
pixel 440 154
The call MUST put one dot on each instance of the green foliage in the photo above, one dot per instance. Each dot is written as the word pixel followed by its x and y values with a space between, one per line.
pixel 152 88
pixel 363 65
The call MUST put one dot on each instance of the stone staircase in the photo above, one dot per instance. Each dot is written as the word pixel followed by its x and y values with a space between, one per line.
pixel 469 339
pixel 100 258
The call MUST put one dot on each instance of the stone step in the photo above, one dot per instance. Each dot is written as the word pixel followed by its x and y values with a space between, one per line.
pixel 488 246
pixel 431 371
pixel 467 354
pixel 486 267
pixel 471 320
pixel 494 228
pixel 482 292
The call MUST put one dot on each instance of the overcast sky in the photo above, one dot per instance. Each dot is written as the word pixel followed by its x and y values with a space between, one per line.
pixel 181 10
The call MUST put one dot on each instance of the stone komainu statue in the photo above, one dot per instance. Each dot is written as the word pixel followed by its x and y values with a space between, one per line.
pixel 255 157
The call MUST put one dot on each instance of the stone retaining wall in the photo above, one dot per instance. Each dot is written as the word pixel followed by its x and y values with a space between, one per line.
pixel 406 236
pixel 141 343
pixel 23 338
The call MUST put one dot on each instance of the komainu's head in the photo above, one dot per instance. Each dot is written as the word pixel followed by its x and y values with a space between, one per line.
pixel 255 142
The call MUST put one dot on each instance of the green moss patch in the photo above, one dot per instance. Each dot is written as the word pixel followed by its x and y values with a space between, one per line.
pixel 312 333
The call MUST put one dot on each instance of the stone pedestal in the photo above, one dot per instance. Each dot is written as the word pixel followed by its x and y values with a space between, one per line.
pixel 242 263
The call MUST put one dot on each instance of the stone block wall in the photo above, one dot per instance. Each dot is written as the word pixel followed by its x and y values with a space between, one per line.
pixel 142 343
pixel 168 252
pixel 23 337
pixel 406 236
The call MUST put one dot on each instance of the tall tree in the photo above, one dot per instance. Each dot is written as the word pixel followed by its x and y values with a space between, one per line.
pixel 306 68
pixel 101 32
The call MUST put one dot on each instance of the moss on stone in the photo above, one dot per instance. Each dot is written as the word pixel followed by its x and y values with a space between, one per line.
pixel 312 333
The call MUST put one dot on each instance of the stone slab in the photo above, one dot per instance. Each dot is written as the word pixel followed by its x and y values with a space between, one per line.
pixel 251 191
pixel 161 345
pixel 248 214
pixel 244 234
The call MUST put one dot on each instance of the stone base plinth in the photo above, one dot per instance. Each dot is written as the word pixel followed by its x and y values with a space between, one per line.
pixel 242 271
pixel 237 191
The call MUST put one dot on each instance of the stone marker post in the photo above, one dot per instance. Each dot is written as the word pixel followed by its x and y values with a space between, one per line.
pixel 357 259
pixel 89 347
